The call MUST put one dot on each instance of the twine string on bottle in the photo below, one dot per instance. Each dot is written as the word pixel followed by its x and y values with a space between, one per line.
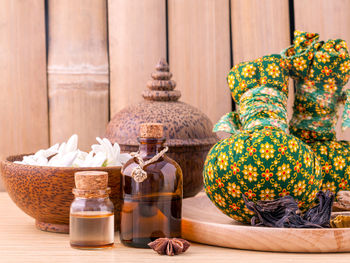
pixel 138 173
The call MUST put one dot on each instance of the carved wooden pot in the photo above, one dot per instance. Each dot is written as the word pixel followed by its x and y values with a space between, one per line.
pixel 187 130
pixel 45 193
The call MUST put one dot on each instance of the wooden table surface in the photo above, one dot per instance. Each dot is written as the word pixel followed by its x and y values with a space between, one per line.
pixel 21 242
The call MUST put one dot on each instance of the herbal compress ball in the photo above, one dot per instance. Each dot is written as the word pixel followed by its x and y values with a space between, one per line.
pixel 321 69
pixel 335 164
pixel 260 160
pixel 263 165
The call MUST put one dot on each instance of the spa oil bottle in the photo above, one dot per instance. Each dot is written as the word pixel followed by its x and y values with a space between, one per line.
pixel 151 191
pixel 91 224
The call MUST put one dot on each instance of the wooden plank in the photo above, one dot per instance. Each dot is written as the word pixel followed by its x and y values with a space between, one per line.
pixel 21 242
pixel 137 40
pixel 78 70
pixel 23 100
pixel 260 28
pixel 199 53
pixel 328 17
pixel 331 20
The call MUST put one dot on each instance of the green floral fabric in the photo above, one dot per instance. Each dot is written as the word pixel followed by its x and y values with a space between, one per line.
pixel 321 69
pixel 334 157
pixel 262 107
pixel 268 71
pixel 304 46
pixel 229 123
pixel 315 111
pixel 260 160
pixel 263 83
pixel 346 112
pixel 263 165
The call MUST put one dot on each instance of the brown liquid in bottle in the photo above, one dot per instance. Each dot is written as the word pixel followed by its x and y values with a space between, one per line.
pixel 152 208
pixel 145 220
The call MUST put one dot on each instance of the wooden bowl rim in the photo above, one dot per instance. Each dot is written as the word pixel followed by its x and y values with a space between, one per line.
pixel 235 225
pixel 8 161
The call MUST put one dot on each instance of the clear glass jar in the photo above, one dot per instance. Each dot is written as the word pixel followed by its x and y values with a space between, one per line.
pixel 91 223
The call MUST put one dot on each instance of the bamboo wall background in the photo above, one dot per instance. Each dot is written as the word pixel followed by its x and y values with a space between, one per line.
pixel 68 66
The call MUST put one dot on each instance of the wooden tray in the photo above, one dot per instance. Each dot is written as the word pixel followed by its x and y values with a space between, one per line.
pixel 204 223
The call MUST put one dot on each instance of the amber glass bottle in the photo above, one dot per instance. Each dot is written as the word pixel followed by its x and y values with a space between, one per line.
pixel 152 192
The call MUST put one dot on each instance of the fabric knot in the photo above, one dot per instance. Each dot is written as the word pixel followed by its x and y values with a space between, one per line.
pixel 269 71
pixel 229 123
pixel 263 107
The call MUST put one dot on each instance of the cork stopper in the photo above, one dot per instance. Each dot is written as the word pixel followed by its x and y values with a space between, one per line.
pixel 91 180
pixel 161 87
pixel 151 130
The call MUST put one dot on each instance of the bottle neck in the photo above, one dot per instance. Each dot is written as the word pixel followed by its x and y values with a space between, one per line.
pixel 150 146
pixel 102 193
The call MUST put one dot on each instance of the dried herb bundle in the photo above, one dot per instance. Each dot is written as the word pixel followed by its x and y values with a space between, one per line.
pixel 284 212
pixel 321 213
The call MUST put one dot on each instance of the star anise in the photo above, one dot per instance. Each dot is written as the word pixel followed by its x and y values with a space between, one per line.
pixel 169 246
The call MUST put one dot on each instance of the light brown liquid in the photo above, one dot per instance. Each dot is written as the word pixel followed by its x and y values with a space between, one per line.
pixel 91 230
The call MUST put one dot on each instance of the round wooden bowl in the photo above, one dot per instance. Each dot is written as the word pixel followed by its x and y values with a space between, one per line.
pixel 45 193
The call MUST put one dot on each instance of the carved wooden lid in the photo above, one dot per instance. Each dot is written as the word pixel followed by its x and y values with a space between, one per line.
pixel 161 87
pixel 184 125
pixel 91 180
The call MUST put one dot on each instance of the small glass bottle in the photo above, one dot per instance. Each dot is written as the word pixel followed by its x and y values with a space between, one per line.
pixel 91 224
pixel 152 192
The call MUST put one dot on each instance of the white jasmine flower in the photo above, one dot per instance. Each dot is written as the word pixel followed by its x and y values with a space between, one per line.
pixel 63 160
pixel 42 161
pixel 114 157
pixel 40 157
pixel 67 155
pixel 29 160
pixel 70 146
pixel 97 160
pixel 48 152
pixel 79 161
pixel 93 160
